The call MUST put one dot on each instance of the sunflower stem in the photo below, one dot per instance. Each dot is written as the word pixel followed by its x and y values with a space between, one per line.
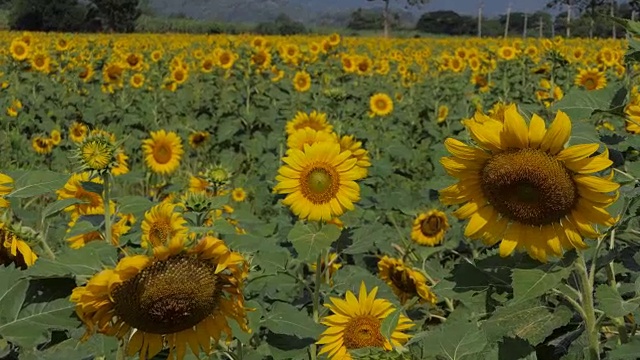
pixel 106 200
pixel 586 288
pixel 316 301
pixel 611 277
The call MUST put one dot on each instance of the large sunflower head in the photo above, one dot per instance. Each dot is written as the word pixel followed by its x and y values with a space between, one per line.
pixel 315 120
pixel 521 187
pixel 163 152
pixel 182 296
pixel 405 281
pixel 355 323
pixel 429 228
pixel 161 224
pixel 591 79
pixel 319 181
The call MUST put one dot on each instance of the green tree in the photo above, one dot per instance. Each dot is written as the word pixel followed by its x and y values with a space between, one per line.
pixel 118 15
pixel 386 15
pixel 446 22
pixel 46 15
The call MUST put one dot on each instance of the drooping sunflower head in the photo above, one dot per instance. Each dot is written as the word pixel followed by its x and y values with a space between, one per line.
pixel 181 297
pixel 355 323
pixel 163 151
pixel 162 224
pixel 319 181
pixel 429 228
pixel 380 104
pixel 14 243
pixel 521 187
pixel 314 120
pixel 405 281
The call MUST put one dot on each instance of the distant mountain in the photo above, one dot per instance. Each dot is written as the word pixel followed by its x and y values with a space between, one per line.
pixel 316 12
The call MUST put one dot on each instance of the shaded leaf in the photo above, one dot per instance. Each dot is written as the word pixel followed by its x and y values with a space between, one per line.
pixel 58 206
pixel 309 240
pixel 287 319
pixel 86 261
pixel 35 182
pixel 612 303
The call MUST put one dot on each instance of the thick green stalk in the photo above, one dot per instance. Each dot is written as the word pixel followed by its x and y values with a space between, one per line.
pixel 590 324
pixel 316 301
pixel 106 199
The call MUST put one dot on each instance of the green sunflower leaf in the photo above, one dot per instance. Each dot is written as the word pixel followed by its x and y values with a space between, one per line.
pixel 58 206
pixel 628 351
pixel 532 283
pixel 86 261
pixel 309 239
pixel 287 319
pixel 611 302
pixel 35 182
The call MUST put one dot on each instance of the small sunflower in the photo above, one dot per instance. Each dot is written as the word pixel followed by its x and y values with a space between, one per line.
pixel 405 281
pixel 381 104
pixel 429 228
pixel 314 120
pixel 181 297
pixel 137 80
pixel 196 139
pixel 308 136
pixel 163 152
pixel 19 50
pixel 6 186
pixel 179 75
pixel 13 248
pixel 507 52
pixel 56 137
pixel 591 79
pixel 355 323
pixel 42 145
pixel 443 113
pixel 161 224
pixel 319 181
pixel 521 187
pixel 77 132
pixel 302 81
pixel 238 195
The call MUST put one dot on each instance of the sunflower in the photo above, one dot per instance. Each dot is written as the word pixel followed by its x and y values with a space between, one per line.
pixel 97 152
pixel 77 132
pixel 197 138
pixel 19 49
pixel 315 120
pixel 161 224
pixel 308 136
pixel 85 72
pixel 507 52
pixel 226 59
pixel 13 249
pixel 156 55
pixel 180 297
pixel 137 80
pixel 632 124
pixel 121 167
pixel 40 62
pixel 443 112
pixel 319 181
pixel 42 145
pixel 381 104
pixel 521 186
pixel 591 79
pixel 350 143
pixel 56 137
pixel 355 323
pixel 199 184
pixel 302 81
pixel 405 282
pixel 429 228
pixel 238 195
pixel 6 186
pixel 179 75
pixel 207 64
pixel 481 81
pixel 113 73
pixel 163 152
pixel 334 266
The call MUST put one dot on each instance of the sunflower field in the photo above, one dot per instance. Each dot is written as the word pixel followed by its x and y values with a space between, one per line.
pixel 318 197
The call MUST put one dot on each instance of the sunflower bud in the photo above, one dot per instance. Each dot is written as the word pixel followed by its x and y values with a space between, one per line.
pixel 98 152
pixel 218 175
pixel 197 202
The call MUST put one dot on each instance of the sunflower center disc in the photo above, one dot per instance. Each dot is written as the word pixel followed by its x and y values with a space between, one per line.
pixel 431 225
pixel 169 296
pixel 363 331
pixel 319 181
pixel 159 232
pixel 528 186
pixel 590 84
pixel 402 281
pixel 162 154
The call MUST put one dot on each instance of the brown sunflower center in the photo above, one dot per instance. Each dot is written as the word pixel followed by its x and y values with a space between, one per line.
pixel 381 105
pixel 363 331
pixel 319 183
pixel 169 296
pixel 431 225
pixel 590 83
pixel 159 232
pixel 529 186
pixel 402 281
pixel 162 154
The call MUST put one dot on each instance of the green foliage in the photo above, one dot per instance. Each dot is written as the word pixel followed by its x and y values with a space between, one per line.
pixel 118 15
pixel 63 15
pixel 282 25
